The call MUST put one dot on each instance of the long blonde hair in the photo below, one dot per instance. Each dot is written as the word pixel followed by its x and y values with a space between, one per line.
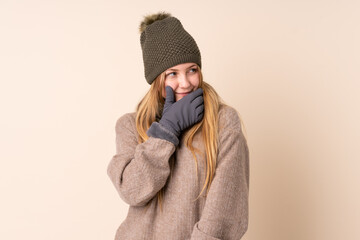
pixel 149 109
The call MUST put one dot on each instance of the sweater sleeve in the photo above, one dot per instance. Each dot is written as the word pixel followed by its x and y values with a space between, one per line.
pixel 138 171
pixel 225 213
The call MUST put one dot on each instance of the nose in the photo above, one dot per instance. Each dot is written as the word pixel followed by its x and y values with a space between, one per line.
pixel 184 81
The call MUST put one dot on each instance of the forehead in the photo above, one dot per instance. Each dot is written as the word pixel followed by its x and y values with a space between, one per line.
pixel 182 66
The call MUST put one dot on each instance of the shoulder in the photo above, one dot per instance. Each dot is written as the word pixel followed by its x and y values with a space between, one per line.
pixel 126 121
pixel 231 129
pixel 229 118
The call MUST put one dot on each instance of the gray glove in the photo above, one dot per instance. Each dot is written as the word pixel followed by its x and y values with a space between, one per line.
pixel 177 116
pixel 184 113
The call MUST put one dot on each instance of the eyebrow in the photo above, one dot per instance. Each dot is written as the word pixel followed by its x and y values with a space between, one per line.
pixel 174 69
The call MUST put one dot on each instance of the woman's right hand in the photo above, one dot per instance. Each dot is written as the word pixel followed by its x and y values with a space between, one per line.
pixel 184 113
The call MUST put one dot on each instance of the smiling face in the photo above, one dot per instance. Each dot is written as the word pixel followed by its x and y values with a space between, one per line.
pixel 183 79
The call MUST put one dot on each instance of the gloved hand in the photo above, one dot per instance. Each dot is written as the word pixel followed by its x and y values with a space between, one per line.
pixel 189 110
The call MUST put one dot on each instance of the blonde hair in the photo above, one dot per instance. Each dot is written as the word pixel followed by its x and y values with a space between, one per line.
pixel 149 109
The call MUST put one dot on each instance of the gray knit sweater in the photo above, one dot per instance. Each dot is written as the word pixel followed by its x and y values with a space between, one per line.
pixel 139 171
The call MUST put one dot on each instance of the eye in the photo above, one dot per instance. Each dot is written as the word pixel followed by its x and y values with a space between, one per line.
pixel 194 70
pixel 171 74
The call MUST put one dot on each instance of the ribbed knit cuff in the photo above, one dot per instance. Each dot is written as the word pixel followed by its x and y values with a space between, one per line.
pixel 159 131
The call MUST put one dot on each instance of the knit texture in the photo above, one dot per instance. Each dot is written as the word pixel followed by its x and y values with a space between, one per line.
pixel 165 43
pixel 139 171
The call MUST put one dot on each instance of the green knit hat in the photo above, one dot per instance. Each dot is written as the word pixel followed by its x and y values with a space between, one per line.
pixel 165 43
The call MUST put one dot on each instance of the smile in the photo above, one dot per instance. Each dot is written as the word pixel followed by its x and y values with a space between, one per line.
pixel 183 93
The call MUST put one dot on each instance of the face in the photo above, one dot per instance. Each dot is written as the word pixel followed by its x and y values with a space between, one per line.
pixel 183 79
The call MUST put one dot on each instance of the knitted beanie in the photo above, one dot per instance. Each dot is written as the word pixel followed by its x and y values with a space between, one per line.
pixel 165 43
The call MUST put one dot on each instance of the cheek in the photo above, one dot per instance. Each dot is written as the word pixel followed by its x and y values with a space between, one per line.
pixel 172 84
pixel 195 81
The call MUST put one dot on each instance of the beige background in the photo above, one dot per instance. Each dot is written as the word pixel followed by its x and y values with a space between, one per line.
pixel 69 69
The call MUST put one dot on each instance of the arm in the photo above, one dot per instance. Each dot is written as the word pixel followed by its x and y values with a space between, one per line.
pixel 225 213
pixel 138 171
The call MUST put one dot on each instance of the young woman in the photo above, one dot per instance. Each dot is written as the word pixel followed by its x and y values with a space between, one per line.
pixel 181 141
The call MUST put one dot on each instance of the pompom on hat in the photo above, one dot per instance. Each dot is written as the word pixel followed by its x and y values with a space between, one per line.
pixel 165 43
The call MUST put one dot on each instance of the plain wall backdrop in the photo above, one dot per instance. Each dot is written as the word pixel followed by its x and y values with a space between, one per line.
pixel 70 69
